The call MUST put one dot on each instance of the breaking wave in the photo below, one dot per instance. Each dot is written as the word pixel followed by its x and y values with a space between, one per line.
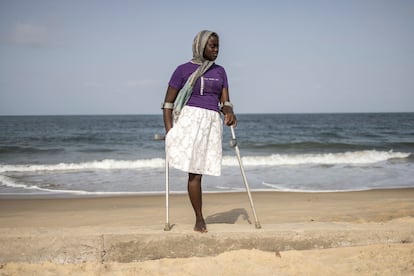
pixel 351 158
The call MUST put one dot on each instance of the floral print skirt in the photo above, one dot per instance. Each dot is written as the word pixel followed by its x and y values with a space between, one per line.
pixel 194 144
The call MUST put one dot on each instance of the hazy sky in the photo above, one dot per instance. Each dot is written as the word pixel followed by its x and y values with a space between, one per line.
pixel 116 57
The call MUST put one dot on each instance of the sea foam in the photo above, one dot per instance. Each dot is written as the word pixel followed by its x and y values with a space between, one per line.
pixel 357 157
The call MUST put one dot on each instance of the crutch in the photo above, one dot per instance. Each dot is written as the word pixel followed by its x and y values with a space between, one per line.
pixel 167 226
pixel 233 143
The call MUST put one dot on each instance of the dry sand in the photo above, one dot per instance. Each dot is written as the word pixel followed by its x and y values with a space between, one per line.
pixel 360 233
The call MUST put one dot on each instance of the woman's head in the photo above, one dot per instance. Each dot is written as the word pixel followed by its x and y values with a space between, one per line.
pixel 205 46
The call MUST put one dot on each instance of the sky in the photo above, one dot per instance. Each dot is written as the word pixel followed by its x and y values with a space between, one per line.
pixel 116 57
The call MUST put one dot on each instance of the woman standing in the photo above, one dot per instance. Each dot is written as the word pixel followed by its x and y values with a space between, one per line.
pixel 197 92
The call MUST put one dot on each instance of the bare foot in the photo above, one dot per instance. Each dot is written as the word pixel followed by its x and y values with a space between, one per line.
pixel 200 226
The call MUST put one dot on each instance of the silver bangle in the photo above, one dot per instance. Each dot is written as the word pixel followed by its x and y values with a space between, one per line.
pixel 226 103
pixel 167 105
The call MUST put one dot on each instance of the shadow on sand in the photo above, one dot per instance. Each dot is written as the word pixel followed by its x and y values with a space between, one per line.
pixel 229 217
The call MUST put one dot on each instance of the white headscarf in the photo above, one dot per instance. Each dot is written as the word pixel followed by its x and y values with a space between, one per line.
pixel 199 44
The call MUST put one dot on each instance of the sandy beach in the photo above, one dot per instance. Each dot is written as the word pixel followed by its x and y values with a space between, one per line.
pixel 364 233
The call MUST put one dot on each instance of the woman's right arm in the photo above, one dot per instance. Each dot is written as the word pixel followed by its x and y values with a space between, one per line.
pixel 167 112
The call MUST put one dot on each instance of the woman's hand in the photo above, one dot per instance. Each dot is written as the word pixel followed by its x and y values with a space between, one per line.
pixel 229 117
pixel 170 96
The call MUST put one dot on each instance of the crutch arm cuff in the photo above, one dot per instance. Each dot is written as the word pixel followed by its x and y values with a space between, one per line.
pixel 226 107
pixel 166 105
pixel 226 103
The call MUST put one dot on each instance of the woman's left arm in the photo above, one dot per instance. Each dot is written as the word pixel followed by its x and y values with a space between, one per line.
pixel 227 109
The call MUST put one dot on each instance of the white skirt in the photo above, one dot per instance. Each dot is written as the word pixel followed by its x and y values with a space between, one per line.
pixel 194 144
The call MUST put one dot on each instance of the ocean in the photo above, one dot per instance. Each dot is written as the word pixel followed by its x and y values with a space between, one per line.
pixel 58 156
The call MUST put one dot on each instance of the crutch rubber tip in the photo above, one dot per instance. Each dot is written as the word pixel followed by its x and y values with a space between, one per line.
pixel 167 227
pixel 258 226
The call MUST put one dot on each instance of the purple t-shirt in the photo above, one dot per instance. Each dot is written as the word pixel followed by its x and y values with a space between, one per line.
pixel 207 89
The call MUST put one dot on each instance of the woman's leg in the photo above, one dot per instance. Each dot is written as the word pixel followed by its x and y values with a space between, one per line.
pixel 196 198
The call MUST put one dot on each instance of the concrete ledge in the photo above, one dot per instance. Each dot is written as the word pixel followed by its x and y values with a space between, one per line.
pixel 95 244
pixel 57 249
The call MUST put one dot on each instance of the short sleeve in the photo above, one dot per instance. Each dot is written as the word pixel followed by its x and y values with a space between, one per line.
pixel 177 79
pixel 225 82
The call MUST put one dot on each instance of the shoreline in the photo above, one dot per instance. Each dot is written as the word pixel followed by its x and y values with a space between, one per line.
pixel 70 195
